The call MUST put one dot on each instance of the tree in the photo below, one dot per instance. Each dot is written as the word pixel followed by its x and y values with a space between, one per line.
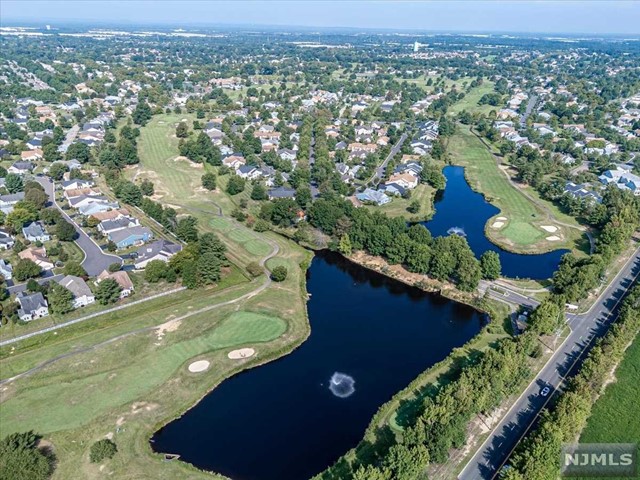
pixel 414 207
pixel 102 449
pixel 75 269
pixel 279 273
pixel 65 231
pixel 147 187
pixel 26 269
pixel 235 185
pixel 13 183
pixel 107 291
pixel 209 268
pixel 20 459
pixel 155 271
pixel 209 181
pixel 210 243
pixel 128 192
pixel 36 196
pixel 345 246
pixel 60 299
pixel 182 130
pixel 187 229
pixel 22 214
pixel 254 269
pixel 547 317
pixel 490 265
pixel 259 192
pixel 142 114
pixel 78 151
pixel 57 171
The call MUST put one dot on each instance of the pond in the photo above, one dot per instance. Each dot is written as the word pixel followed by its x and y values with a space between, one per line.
pixel 459 209
pixel 292 418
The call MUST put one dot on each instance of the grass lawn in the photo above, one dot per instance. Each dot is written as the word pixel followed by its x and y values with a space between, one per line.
pixel 615 418
pixel 522 231
pixel 398 206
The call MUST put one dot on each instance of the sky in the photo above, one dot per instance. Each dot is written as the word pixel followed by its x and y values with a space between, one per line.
pixel 586 17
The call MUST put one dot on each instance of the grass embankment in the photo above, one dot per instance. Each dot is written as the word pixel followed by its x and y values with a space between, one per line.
pixel 522 219
pixel 125 374
pixel 614 418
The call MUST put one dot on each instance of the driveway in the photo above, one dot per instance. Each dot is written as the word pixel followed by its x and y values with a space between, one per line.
pixel 95 260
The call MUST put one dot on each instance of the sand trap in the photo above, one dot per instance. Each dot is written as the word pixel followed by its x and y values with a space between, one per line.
pixel 497 224
pixel 553 238
pixel 502 219
pixel 242 353
pixel 199 366
pixel 549 228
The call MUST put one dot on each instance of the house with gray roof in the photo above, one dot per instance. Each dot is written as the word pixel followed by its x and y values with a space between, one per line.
pixel 35 232
pixel 373 196
pixel 6 240
pixel 5 270
pixel 8 201
pixel 161 250
pixel 82 294
pixel 109 226
pixel 32 306
pixel 281 192
pixel 129 237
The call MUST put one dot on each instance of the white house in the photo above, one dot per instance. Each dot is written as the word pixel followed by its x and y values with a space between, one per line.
pixel 35 232
pixel 82 294
pixel 32 306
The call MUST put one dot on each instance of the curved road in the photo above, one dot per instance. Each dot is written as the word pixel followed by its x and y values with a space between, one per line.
pixel 95 260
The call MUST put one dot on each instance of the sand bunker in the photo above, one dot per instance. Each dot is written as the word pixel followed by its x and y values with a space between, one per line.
pixel 553 238
pixel 241 353
pixel 549 228
pixel 497 224
pixel 502 219
pixel 199 366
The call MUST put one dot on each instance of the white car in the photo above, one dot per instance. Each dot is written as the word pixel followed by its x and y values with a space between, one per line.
pixel 545 391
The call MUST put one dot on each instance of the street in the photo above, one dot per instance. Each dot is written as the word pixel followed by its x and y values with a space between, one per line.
pixel 380 171
pixel 585 328
pixel 95 260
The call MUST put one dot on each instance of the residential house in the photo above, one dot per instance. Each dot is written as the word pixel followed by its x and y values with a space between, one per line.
pixel 109 226
pixel 623 179
pixel 373 196
pixel 281 192
pixel 249 172
pixel 32 306
pixel 92 208
pixel 6 271
pixel 111 214
pixel 82 294
pixel 287 154
pixel 581 192
pixel 393 188
pixel 129 237
pixel 159 250
pixel 234 161
pixel 76 184
pixel 407 180
pixel 22 168
pixel 37 255
pixel 35 232
pixel 121 279
pixel 8 201
pixel 6 240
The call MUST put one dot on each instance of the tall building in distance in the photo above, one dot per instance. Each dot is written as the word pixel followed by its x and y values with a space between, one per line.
pixel 416 47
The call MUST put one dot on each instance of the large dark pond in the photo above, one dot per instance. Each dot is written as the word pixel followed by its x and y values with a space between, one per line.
pixel 458 206
pixel 282 421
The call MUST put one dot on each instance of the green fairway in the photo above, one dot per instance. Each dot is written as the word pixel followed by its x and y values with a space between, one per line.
pixel 519 225
pixel 257 247
pixel 471 98
pixel 614 418
pixel 130 381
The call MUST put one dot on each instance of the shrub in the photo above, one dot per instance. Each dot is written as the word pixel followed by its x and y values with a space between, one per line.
pixel 279 273
pixel 102 449
pixel 254 269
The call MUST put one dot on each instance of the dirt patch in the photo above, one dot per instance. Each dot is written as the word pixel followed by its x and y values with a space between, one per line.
pixel 166 327
pixel 199 366
pixel 241 353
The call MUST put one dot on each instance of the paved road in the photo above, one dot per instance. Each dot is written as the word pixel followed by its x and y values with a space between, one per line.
pixel 69 138
pixel 530 106
pixel 47 276
pixel 495 451
pixel 95 260
pixel 382 168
